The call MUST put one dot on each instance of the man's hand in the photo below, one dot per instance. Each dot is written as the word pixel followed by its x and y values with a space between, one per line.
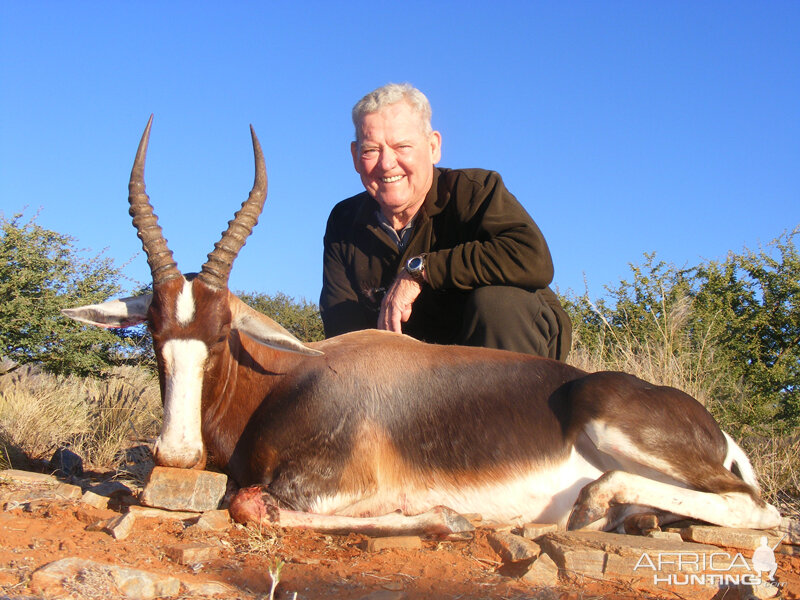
pixel 396 305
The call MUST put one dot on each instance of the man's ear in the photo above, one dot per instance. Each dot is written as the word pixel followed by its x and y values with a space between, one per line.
pixel 354 153
pixel 436 146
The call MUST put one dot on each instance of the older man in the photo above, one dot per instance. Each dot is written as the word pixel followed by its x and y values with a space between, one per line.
pixel 448 256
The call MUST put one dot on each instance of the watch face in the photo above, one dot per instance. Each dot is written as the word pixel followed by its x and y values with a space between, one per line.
pixel 415 264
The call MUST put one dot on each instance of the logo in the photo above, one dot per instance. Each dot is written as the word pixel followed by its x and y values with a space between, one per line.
pixel 715 568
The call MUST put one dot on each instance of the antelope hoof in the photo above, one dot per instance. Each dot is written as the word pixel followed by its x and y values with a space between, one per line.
pixel 582 516
pixel 641 524
pixel 587 509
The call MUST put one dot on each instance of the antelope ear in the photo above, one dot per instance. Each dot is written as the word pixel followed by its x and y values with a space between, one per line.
pixel 264 330
pixel 114 313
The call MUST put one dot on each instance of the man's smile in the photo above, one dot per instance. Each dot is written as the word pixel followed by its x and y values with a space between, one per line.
pixel 391 179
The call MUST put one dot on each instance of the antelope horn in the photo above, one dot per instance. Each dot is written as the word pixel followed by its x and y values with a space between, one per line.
pixel 162 265
pixel 217 269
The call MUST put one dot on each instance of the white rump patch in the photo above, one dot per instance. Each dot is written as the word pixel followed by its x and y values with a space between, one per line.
pixel 185 306
pixel 181 443
pixel 734 454
pixel 612 441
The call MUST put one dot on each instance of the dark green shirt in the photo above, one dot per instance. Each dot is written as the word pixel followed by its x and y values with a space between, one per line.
pixel 473 230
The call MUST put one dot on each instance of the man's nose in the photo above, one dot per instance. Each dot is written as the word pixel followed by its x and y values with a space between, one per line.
pixel 388 159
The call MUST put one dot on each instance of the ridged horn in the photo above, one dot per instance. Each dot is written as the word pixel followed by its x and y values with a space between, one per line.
pixel 162 265
pixel 217 269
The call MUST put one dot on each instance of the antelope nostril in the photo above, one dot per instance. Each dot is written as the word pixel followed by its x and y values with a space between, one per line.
pixel 200 460
pixel 182 458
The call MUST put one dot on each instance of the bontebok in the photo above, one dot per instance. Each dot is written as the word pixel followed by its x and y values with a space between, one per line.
pixel 370 422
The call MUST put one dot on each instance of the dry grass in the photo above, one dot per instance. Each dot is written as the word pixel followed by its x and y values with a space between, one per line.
pixel 96 418
pixel 261 539
pixel 776 461
pixel 663 356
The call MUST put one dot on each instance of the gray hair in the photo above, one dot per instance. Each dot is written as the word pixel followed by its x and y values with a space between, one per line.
pixel 389 94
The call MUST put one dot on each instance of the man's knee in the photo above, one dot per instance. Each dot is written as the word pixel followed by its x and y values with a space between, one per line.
pixel 512 318
pixel 494 303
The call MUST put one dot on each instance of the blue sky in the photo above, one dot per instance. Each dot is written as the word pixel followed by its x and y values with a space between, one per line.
pixel 622 127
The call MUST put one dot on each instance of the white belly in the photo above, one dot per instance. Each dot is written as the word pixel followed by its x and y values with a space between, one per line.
pixel 543 495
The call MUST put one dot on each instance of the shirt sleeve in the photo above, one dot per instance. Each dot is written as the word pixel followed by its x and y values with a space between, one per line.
pixel 339 306
pixel 500 243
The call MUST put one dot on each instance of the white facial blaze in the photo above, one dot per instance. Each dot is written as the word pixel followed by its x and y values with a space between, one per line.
pixel 185 307
pixel 180 443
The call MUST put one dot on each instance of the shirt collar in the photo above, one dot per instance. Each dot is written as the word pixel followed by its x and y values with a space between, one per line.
pixel 402 237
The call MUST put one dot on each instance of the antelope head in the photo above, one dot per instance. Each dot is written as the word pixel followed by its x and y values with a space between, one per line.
pixel 189 316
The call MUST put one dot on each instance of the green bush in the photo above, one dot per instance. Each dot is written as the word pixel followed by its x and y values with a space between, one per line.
pixel 301 317
pixel 751 301
pixel 42 272
pixel 727 332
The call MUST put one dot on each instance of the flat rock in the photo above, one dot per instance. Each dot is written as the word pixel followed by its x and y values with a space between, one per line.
pixel 120 527
pixel 601 554
pixel 534 530
pixel 746 539
pixel 513 548
pixel 67 491
pixel 405 542
pixel 131 583
pixel 97 525
pixel 191 553
pixel 89 514
pixel 658 565
pixel 94 500
pixel 184 489
pixel 165 515
pixel 543 571
pixel 665 535
pixel 208 588
pixel 214 520
pixel 791 528
pixel 41 493
pixel 24 477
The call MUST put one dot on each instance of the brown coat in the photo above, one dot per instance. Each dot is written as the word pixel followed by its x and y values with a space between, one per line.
pixel 473 230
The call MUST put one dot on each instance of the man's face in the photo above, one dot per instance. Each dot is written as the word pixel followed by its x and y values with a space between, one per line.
pixel 395 159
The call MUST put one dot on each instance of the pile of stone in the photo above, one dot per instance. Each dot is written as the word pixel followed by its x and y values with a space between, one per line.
pixel 197 493
pixel 688 560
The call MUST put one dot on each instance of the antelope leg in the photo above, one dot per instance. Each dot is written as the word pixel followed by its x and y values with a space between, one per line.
pixel 438 521
pixel 255 505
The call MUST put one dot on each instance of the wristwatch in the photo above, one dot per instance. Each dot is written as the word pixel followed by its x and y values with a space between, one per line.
pixel 415 267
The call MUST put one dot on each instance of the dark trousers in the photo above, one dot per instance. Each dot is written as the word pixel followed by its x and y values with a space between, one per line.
pixel 504 317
